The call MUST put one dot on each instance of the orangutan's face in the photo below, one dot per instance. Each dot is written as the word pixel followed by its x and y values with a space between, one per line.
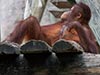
pixel 72 14
pixel 66 16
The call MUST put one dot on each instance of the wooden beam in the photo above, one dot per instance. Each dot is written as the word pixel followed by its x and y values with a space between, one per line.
pixel 56 13
pixel 62 4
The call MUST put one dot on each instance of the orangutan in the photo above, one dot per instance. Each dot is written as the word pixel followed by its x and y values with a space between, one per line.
pixel 74 25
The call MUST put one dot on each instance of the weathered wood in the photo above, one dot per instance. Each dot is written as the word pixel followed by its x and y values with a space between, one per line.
pixel 34 46
pixel 9 48
pixel 56 13
pixel 63 64
pixel 37 51
pixel 62 46
pixel 79 64
pixel 62 4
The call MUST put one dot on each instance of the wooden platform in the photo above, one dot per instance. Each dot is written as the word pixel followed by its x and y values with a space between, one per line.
pixel 44 60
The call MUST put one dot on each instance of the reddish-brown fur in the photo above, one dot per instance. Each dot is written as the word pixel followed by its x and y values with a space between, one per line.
pixel 30 29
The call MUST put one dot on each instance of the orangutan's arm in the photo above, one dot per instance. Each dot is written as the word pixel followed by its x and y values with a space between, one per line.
pixel 90 45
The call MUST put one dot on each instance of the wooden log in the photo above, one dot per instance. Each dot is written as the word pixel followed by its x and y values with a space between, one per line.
pixel 79 64
pixel 61 63
pixel 56 13
pixel 9 48
pixel 71 64
pixel 62 4
pixel 63 46
pixel 37 51
pixel 35 46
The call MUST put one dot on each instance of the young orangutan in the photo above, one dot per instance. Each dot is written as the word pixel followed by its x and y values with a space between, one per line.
pixel 76 21
pixel 78 18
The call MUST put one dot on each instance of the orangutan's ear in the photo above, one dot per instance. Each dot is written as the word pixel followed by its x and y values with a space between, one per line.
pixel 79 16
